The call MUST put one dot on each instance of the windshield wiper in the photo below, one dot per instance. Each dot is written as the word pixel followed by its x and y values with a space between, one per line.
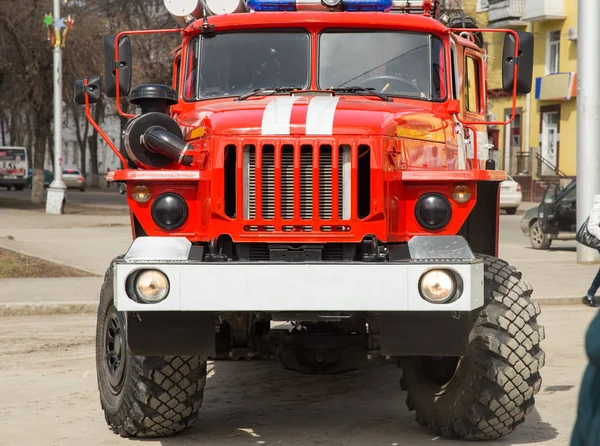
pixel 268 91
pixel 364 91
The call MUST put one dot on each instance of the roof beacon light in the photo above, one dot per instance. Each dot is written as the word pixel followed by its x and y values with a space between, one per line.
pixel 368 5
pixel 272 5
pixel 295 5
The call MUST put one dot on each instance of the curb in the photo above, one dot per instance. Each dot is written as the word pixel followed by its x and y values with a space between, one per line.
pixel 47 309
pixel 558 301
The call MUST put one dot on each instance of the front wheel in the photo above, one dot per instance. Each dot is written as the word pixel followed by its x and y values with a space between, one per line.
pixel 487 393
pixel 143 396
pixel 537 238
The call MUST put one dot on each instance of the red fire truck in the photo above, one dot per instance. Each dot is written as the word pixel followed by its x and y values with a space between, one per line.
pixel 324 164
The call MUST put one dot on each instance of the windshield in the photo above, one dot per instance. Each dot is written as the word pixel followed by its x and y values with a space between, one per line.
pixel 394 63
pixel 233 64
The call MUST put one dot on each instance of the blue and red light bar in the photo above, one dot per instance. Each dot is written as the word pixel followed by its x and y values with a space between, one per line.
pixel 346 5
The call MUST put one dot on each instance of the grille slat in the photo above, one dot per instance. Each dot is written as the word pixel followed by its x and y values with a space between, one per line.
pixel 304 194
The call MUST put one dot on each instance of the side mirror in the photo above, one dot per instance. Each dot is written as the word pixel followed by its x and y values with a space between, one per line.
pixel 92 89
pixel 525 63
pixel 123 64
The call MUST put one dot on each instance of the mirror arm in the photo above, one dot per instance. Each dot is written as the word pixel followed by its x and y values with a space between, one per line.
pixel 117 39
pixel 515 80
pixel 90 118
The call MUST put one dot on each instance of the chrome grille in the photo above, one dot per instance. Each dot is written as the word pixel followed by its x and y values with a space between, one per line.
pixel 288 193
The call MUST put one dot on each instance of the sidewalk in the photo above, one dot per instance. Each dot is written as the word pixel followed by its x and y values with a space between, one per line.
pixel 90 242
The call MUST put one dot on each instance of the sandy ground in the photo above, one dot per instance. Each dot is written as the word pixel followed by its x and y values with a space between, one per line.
pixel 48 394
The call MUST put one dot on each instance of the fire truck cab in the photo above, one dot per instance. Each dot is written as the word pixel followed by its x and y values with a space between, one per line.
pixel 322 164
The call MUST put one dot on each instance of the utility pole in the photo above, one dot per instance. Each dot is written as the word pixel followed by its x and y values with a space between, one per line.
pixel 588 116
pixel 57 190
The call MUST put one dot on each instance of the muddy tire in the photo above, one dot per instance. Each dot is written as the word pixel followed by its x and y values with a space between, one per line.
pixel 143 396
pixel 537 238
pixel 488 393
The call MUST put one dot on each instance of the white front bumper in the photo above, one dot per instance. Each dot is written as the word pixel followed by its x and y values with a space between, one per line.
pixel 274 287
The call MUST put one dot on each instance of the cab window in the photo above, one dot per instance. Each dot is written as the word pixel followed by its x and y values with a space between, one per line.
pixel 472 85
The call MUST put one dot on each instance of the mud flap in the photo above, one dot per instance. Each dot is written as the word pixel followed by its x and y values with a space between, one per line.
pixel 169 333
pixel 425 333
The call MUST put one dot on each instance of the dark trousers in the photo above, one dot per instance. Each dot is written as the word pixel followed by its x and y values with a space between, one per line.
pixel 595 284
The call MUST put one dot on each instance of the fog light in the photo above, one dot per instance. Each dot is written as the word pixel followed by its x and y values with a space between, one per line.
pixel 437 286
pixel 169 211
pixel 141 194
pixel 151 286
pixel 433 211
pixel 461 194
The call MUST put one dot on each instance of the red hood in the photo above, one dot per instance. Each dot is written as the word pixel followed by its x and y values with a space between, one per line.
pixel 316 115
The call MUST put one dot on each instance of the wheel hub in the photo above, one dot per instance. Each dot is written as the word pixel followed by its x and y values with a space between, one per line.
pixel 114 350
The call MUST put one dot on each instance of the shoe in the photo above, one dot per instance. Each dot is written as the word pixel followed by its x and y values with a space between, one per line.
pixel 590 301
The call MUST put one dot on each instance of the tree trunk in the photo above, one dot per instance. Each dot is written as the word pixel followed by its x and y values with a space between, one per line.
pixel 42 132
pixel 2 129
pixel 29 144
pixel 93 144
pixel 81 138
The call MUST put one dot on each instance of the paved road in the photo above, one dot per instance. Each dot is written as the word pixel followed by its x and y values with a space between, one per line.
pixel 100 197
pixel 48 394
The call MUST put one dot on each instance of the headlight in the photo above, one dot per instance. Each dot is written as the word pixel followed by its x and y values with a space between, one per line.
pixel 437 286
pixel 169 211
pixel 151 286
pixel 433 211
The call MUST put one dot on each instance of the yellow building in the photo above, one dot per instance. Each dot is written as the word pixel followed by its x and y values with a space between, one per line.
pixel 540 144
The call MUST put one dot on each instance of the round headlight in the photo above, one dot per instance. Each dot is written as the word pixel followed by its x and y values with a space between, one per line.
pixel 433 211
pixel 331 3
pixel 437 286
pixel 151 286
pixel 169 211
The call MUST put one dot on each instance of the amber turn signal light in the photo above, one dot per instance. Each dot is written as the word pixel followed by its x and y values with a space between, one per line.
pixel 141 194
pixel 461 194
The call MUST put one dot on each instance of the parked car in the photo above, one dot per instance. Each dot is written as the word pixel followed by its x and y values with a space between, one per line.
pixel 554 219
pixel 48 178
pixel 510 195
pixel 73 179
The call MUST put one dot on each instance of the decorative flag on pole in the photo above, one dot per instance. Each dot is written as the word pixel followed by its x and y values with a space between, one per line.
pixel 58 30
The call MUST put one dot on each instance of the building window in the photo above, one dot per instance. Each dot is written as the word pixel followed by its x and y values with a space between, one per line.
pixel 515 132
pixel 553 52
pixel 482 5
pixel 472 86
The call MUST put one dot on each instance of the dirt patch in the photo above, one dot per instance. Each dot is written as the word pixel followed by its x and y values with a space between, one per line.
pixel 18 266
pixel 70 208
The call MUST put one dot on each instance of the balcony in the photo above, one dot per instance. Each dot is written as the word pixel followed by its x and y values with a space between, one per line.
pixel 544 10
pixel 506 13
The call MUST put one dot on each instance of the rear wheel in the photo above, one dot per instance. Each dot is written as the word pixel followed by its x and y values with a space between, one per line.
pixel 488 393
pixel 143 396
pixel 537 238
pixel 511 211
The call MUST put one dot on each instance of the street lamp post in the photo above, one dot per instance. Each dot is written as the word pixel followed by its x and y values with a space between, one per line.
pixel 588 116
pixel 57 190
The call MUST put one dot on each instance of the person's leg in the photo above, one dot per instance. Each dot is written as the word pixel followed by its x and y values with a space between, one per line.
pixel 595 285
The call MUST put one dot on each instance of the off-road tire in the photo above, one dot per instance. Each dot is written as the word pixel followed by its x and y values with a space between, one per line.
pixel 537 238
pixel 157 396
pixel 493 387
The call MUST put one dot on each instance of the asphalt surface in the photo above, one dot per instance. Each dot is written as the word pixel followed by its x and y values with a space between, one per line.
pixel 48 394
pixel 99 197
